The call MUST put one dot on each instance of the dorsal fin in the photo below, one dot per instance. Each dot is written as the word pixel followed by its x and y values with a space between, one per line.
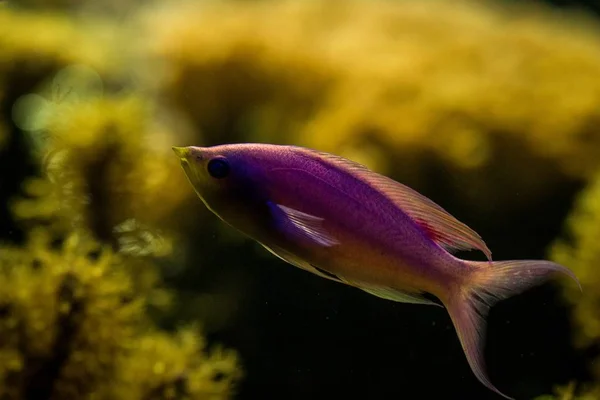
pixel 436 222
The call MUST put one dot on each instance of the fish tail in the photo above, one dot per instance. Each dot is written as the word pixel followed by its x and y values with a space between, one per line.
pixel 468 304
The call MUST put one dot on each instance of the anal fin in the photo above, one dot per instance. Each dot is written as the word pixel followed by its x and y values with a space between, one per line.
pixel 324 272
pixel 297 262
pixel 397 295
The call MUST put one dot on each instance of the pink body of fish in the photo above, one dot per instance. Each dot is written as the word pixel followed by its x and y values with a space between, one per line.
pixel 341 221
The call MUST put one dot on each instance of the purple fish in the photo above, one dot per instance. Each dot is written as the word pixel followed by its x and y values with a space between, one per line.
pixel 341 221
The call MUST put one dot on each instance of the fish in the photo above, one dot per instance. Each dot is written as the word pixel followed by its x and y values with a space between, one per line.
pixel 341 221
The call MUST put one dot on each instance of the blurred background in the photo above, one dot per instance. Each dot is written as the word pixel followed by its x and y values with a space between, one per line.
pixel 117 283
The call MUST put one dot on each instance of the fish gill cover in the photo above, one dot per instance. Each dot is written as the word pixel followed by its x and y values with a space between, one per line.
pixel 491 109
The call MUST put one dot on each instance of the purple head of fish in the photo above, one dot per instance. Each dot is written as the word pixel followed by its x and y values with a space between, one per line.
pixel 230 179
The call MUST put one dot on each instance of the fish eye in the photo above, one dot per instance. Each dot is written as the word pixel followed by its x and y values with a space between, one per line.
pixel 218 168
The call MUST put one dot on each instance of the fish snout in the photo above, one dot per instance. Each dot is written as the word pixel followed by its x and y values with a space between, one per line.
pixel 181 152
pixel 184 153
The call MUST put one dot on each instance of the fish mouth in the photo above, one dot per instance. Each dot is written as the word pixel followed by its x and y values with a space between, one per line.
pixel 181 152
pixel 184 153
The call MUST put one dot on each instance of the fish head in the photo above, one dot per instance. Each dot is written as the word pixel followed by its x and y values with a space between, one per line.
pixel 194 161
pixel 227 179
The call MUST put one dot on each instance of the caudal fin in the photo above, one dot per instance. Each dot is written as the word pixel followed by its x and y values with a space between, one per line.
pixel 469 304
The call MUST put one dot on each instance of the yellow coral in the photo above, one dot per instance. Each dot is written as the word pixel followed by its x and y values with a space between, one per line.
pixel 581 252
pixel 569 393
pixel 106 166
pixel 72 325
pixel 73 310
pixel 161 366
pixel 56 40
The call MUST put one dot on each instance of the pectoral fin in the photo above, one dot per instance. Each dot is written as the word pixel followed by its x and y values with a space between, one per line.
pixel 300 225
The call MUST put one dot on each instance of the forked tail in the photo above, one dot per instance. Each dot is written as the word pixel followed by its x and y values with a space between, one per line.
pixel 469 304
